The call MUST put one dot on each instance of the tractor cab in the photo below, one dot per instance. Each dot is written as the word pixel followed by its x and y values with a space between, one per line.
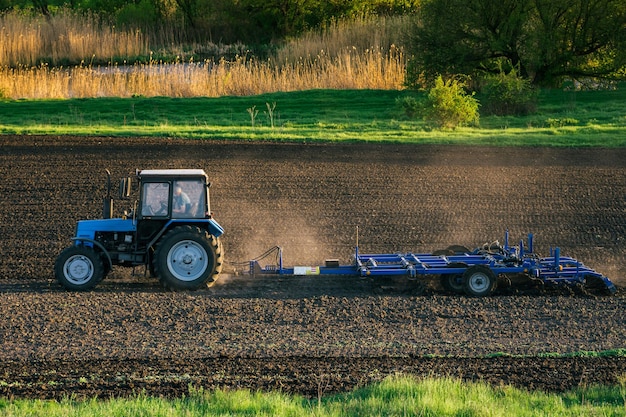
pixel 173 194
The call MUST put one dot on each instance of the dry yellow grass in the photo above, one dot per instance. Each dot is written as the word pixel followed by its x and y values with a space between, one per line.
pixel 374 69
pixel 346 55
pixel 66 37
pixel 360 35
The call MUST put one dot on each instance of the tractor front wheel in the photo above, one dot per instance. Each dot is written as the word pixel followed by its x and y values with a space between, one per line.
pixel 186 258
pixel 79 268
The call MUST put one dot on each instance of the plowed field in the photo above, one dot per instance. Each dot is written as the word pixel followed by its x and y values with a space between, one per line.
pixel 310 335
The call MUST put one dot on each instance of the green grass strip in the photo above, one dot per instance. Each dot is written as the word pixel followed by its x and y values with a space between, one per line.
pixel 394 396
pixel 563 119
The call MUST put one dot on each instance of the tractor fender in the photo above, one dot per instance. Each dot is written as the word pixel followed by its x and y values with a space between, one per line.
pixel 98 244
pixel 211 226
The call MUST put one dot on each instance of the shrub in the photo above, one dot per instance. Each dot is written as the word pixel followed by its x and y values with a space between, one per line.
pixel 508 94
pixel 449 106
pixel 410 105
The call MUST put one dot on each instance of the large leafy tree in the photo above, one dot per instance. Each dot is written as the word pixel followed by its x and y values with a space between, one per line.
pixel 546 40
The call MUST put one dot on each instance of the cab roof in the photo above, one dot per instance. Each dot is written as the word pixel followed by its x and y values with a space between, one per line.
pixel 171 173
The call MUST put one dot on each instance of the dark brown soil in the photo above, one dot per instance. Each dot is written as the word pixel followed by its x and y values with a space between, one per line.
pixel 310 335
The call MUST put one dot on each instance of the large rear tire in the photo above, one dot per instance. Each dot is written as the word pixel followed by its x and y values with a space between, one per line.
pixel 480 281
pixel 219 263
pixel 187 258
pixel 79 268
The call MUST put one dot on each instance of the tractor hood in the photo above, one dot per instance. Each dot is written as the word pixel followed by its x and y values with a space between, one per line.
pixel 88 228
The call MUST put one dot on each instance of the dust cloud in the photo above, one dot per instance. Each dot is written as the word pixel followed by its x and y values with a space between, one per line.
pixel 287 227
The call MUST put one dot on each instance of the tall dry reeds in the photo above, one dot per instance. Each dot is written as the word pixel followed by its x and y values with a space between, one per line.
pixel 360 35
pixel 361 55
pixel 67 36
pixel 374 69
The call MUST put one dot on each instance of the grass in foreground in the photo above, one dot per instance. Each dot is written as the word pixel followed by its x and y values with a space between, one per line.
pixel 590 118
pixel 394 396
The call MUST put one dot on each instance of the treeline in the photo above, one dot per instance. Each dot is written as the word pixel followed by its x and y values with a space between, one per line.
pixel 221 21
pixel 544 41
pixel 513 44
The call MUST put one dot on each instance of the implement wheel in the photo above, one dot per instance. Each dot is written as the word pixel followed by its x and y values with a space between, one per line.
pixel 452 250
pixel 480 281
pixel 187 258
pixel 458 249
pixel 79 268
pixel 452 283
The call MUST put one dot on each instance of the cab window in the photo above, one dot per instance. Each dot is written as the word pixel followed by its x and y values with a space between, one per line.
pixel 155 199
pixel 188 199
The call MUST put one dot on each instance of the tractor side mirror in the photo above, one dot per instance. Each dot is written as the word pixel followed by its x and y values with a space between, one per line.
pixel 125 184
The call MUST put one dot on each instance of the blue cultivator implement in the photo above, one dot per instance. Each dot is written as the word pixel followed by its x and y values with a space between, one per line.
pixel 474 272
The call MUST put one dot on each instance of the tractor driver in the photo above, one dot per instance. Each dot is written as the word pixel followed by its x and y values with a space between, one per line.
pixel 182 203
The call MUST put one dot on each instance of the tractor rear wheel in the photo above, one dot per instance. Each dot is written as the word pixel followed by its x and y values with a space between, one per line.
pixel 187 258
pixel 219 263
pixel 480 281
pixel 79 268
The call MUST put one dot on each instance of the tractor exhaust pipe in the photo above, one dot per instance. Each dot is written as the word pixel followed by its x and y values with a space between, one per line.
pixel 107 205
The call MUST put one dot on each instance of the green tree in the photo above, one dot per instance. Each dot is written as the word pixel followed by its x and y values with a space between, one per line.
pixel 225 21
pixel 189 9
pixel 39 6
pixel 280 18
pixel 548 40
pixel 143 14
pixel 6 5
pixel 46 7
pixel 577 39
pixel 262 21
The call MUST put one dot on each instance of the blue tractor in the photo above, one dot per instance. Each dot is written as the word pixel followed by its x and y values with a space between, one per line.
pixel 170 232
